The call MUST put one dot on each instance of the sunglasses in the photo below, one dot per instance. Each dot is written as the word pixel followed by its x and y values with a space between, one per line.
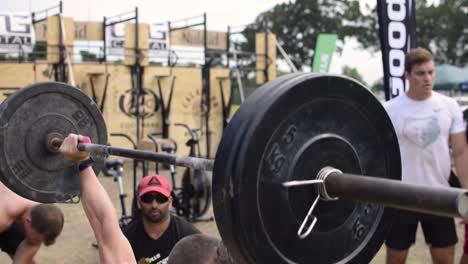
pixel 149 198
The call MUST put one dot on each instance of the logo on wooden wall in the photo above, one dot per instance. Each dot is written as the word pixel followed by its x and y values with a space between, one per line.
pixel 147 103
pixel 193 103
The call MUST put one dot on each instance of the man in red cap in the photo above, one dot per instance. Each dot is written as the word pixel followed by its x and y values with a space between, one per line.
pixel 154 234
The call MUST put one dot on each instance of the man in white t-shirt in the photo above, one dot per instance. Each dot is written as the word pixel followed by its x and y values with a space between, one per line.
pixel 428 124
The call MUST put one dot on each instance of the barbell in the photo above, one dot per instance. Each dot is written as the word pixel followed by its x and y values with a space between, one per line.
pixel 288 184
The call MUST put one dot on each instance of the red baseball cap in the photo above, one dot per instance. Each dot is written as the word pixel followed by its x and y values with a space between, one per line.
pixel 154 183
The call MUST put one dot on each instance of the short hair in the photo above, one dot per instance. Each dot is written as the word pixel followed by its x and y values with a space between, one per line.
pixel 417 56
pixel 199 248
pixel 47 220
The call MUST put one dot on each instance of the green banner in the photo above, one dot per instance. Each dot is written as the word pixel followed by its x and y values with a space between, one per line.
pixel 324 49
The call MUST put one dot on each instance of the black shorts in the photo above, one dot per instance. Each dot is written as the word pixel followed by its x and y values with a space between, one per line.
pixel 11 238
pixel 439 231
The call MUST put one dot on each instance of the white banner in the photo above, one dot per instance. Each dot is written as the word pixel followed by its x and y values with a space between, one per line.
pixel 159 41
pixel 115 37
pixel 16 33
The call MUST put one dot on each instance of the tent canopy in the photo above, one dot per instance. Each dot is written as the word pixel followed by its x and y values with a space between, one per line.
pixel 449 77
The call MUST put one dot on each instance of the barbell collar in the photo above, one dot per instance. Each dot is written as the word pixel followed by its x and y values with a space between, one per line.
pixel 443 201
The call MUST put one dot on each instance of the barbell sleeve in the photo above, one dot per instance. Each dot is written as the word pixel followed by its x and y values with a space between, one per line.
pixel 442 201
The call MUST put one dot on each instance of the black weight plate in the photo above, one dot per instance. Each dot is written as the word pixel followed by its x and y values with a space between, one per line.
pixel 197 188
pixel 223 201
pixel 27 117
pixel 312 121
pixel 202 193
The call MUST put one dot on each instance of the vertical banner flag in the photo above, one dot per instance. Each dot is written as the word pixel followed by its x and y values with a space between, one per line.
pixel 397 22
pixel 16 33
pixel 324 49
pixel 115 38
pixel 159 41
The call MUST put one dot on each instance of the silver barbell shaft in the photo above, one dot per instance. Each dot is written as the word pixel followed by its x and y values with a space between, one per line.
pixel 191 162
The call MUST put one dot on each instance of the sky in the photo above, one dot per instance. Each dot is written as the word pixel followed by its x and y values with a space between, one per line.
pixel 220 15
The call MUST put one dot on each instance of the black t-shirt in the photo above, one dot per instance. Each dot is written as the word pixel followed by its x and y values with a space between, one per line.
pixel 11 238
pixel 150 251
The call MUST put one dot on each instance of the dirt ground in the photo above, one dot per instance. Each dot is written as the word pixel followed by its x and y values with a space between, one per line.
pixel 75 243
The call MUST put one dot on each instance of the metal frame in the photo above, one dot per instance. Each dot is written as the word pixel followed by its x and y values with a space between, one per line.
pixel 136 73
pixel 206 89
pixel 60 67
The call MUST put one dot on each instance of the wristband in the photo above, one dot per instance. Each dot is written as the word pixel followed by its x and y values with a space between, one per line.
pixel 85 164
pixel 85 139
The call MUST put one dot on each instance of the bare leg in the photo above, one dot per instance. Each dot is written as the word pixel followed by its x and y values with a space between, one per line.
pixel 396 256
pixel 444 255
pixel 464 259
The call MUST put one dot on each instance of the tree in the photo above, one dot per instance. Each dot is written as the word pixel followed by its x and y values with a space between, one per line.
pixel 353 73
pixel 440 28
pixel 443 29
pixel 297 25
